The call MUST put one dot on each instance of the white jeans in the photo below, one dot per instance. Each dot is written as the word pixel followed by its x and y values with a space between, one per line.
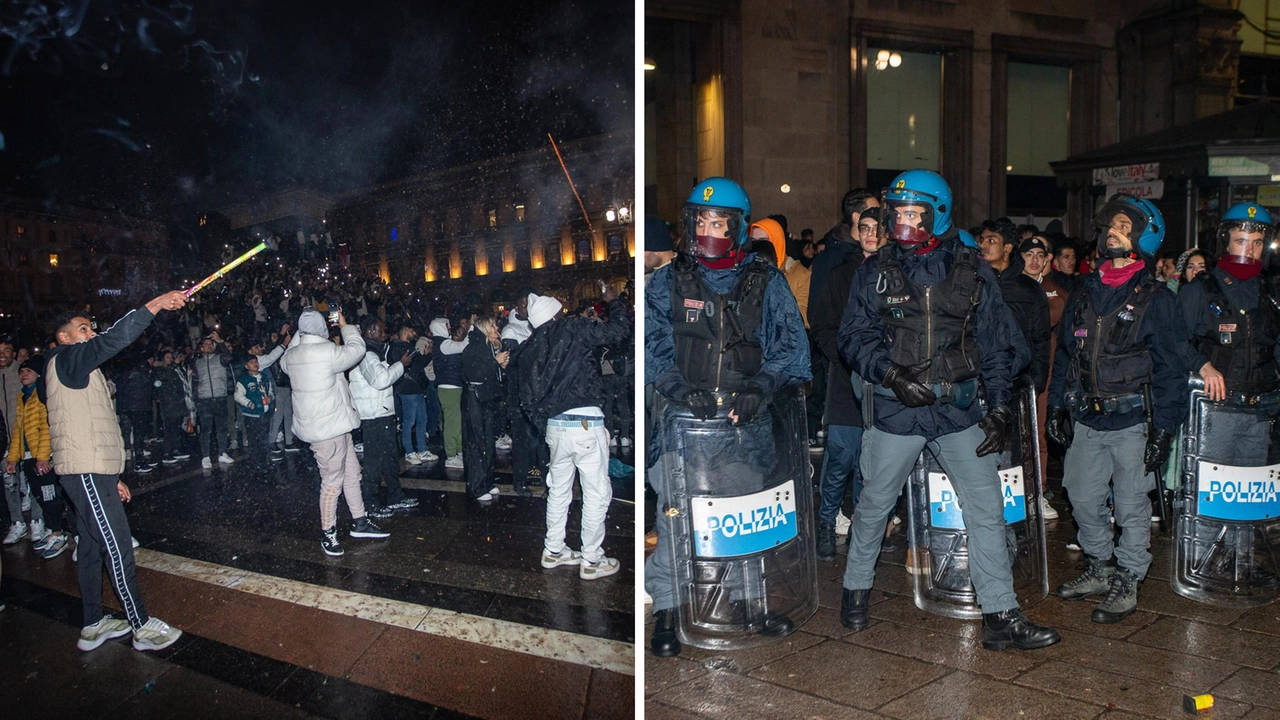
pixel 587 450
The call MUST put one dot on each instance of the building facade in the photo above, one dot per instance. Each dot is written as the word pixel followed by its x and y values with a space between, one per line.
pixel 495 226
pixel 803 100
pixel 52 255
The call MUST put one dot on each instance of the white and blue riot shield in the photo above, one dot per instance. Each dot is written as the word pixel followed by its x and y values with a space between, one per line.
pixel 1227 511
pixel 936 533
pixel 739 502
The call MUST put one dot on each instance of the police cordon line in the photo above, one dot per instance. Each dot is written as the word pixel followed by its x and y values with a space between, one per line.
pixel 955 361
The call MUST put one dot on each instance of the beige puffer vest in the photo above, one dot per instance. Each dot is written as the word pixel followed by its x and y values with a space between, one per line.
pixel 83 428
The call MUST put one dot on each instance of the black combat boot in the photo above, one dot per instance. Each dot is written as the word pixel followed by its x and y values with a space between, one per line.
pixel 665 643
pixel 853 609
pixel 826 540
pixel 1012 629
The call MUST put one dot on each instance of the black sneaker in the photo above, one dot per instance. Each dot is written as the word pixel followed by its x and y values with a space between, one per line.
pixel 364 528
pixel 293 447
pixel 329 541
pixel 142 468
pixel 377 511
pixel 405 504
pixel 171 461
pixel 181 456
pixel 826 540
pixel 276 449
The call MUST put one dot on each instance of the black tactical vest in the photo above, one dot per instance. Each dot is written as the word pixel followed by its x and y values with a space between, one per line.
pixel 935 322
pixel 715 335
pixel 1110 359
pixel 1240 344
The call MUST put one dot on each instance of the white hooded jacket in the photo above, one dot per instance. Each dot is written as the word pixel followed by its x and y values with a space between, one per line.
pixel 322 406
pixel 371 386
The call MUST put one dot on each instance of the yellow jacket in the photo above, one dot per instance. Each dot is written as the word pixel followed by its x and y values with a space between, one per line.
pixel 31 424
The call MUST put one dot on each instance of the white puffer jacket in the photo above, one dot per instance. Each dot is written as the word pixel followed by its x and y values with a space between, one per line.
pixel 322 407
pixel 371 386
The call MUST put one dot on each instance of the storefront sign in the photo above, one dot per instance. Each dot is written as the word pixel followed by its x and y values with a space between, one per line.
pixel 1153 190
pixel 1123 174
pixel 1269 195
pixel 1235 165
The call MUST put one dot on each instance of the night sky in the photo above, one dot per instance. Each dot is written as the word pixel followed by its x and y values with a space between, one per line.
pixel 167 109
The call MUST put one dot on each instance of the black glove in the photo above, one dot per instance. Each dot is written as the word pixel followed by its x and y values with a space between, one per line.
pixel 747 404
pixel 1059 428
pixel 901 379
pixel 701 402
pixel 993 427
pixel 1158 442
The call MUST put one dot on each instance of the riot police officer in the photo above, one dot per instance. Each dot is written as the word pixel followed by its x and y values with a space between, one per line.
pixel 925 321
pixel 1231 311
pixel 755 345
pixel 1116 396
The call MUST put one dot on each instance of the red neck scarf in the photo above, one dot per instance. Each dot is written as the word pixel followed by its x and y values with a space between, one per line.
pixel 1239 270
pixel 1114 277
pixel 724 263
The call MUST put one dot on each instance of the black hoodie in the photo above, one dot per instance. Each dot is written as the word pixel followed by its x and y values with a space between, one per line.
pixel 1026 301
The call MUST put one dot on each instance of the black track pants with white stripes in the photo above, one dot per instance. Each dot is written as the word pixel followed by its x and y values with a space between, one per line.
pixel 105 542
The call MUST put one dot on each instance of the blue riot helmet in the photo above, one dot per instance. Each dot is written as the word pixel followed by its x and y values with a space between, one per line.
pixel 1129 227
pixel 1245 234
pixel 966 237
pixel 916 207
pixel 716 218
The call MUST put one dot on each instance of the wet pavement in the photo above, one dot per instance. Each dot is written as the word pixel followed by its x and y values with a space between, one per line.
pixel 911 664
pixel 452 616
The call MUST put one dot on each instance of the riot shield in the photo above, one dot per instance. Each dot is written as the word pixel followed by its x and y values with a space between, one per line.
pixel 937 537
pixel 740 512
pixel 1227 511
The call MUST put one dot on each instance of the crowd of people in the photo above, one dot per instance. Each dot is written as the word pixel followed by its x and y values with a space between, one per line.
pixel 265 363
pixel 908 331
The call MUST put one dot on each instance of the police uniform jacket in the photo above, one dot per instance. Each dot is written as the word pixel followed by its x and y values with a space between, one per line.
pixel 1193 304
pixel 1163 333
pixel 783 342
pixel 863 344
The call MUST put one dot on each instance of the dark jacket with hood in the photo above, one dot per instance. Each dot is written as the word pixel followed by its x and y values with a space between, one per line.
pixel 862 342
pixel 825 314
pixel 841 248
pixel 1025 299
pixel 558 367
pixel 480 369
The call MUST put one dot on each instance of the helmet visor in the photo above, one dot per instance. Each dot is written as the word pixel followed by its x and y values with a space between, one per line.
pixel 711 232
pixel 906 216
pixel 1244 241
pixel 1117 228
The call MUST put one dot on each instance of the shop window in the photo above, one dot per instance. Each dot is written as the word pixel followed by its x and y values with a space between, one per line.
pixel 1038 132
pixel 551 253
pixel 584 251
pixel 520 213
pixel 615 247
pixel 904 112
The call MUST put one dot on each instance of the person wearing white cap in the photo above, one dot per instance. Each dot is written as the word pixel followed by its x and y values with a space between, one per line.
pixel 561 388
pixel 324 416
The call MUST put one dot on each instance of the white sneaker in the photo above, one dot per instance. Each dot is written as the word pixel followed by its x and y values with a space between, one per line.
pixel 842 523
pixel 428 456
pixel 564 557
pixel 155 635
pixel 135 542
pixel 225 459
pixel 494 491
pixel 1073 545
pixel 92 636
pixel 613 441
pixel 626 442
pixel 503 442
pixel 359 447
pixel 204 463
pixel 1046 510
pixel 412 459
pixel 17 531
pixel 604 567
pixel 38 532
pixel 454 461
pixel 485 497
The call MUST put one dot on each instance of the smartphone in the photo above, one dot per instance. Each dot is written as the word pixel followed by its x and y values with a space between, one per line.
pixel 333 315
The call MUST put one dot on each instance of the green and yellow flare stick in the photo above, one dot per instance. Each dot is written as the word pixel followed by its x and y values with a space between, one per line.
pixel 225 269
